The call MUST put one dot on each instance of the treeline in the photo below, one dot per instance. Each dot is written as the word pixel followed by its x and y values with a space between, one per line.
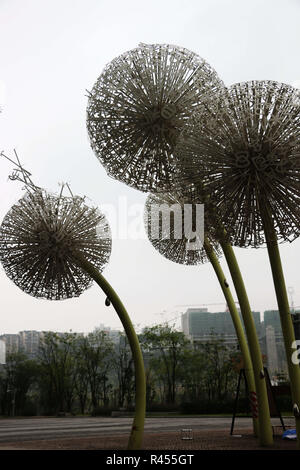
pixel 90 374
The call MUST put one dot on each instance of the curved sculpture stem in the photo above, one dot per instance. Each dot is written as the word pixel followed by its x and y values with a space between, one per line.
pixel 237 324
pixel 265 427
pixel 137 430
pixel 284 312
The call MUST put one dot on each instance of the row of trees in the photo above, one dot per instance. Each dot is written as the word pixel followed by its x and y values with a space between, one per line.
pixel 90 374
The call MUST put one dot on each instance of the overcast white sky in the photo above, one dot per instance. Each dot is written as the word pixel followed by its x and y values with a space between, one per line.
pixel 51 51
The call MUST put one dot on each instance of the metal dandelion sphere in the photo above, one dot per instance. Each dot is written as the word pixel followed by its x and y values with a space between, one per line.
pixel 176 225
pixel 40 239
pixel 138 107
pixel 245 146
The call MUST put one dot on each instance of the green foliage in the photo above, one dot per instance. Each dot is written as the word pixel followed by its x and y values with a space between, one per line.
pixel 163 407
pixel 124 369
pixel 182 371
pixel 165 347
pixel 102 411
pixel 18 376
pixel 218 375
pixel 191 373
pixel 57 364
pixel 205 406
pixel 94 354
pixel 79 374
pixel 74 367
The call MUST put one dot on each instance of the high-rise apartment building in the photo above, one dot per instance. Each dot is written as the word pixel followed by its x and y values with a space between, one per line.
pixel 24 341
pixel 271 350
pixel 30 341
pixel 12 342
pixel 272 333
pixel 200 325
pixel 2 352
pixel 113 335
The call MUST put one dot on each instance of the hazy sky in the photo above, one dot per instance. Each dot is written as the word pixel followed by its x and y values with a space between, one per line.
pixel 51 51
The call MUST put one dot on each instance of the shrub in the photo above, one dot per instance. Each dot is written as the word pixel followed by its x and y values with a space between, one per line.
pixel 214 407
pixel 102 411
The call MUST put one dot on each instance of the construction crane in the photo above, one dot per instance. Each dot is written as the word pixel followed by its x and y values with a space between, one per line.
pixel 198 305
pixel 161 313
pixel 201 305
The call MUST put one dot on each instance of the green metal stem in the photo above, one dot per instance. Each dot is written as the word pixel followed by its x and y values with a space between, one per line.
pixel 265 427
pixel 137 430
pixel 284 312
pixel 237 324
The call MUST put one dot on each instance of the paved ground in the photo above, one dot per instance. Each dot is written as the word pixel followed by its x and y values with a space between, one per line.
pixel 31 429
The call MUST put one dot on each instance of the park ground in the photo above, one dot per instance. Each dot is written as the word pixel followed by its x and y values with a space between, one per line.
pixel 202 440
pixel 208 433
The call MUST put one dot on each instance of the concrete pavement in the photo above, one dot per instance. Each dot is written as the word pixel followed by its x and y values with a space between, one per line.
pixel 14 430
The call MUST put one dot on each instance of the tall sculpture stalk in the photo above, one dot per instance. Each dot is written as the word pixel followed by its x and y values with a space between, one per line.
pixel 173 242
pixel 266 434
pixel 238 328
pixel 243 145
pixel 53 247
pixel 284 313
pixel 137 108
pixel 137 430
pixel 264 418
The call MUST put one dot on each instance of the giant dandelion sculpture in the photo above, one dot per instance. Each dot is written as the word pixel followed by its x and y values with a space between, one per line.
pixel 53 246
pixel 175 230
pixel 245 147
pixel 137 111
pixel 41 238
pixel 138 106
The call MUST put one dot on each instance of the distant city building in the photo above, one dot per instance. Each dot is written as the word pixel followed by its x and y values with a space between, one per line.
pixel 272 318
pixel 273 343
pixel 199 325
pixel 2 352
pixel 114 335
pixel 30 341
pixel 12 342
pixel 271 350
